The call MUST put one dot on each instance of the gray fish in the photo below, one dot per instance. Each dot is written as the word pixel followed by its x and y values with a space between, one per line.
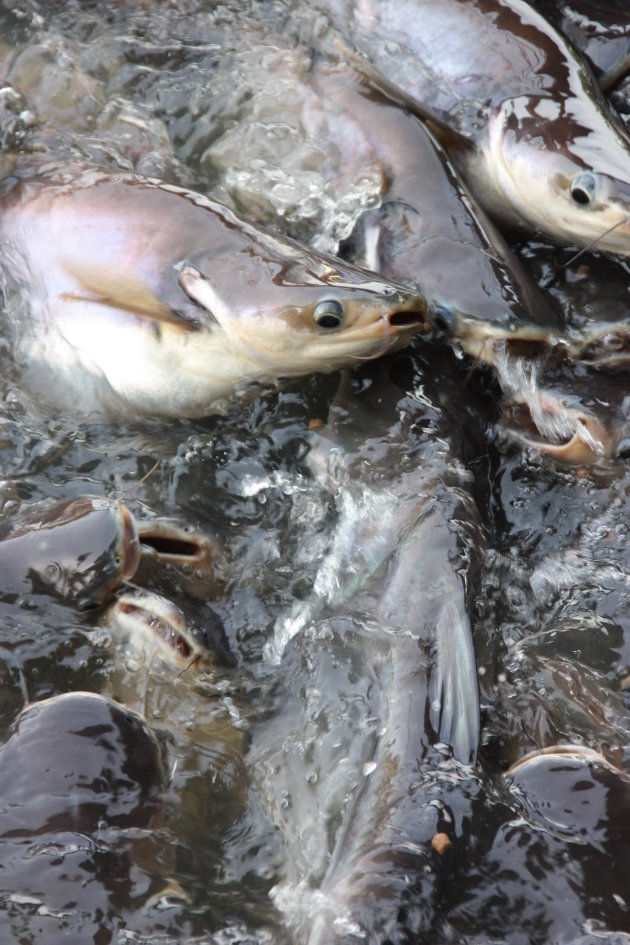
pixel 574 793
pixel 598 31
pixel 133 294
pixel 82 549
pixel 428 228
pixel 392 585
pixel 517 109
pixel 57 775
pixel 81 788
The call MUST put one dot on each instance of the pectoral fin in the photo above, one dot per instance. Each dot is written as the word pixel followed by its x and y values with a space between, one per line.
pixel 455 702
pixel 123 290
pixel 200 290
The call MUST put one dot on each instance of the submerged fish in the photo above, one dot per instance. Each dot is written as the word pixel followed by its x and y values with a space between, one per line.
pixel 81 788
pixel 146 296
pixel 576 794
pixel 516 107
pixel 390 593
pixel 578 416
pixel 56 775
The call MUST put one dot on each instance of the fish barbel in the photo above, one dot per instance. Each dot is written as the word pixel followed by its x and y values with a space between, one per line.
pixel 516 107
pixel 143 295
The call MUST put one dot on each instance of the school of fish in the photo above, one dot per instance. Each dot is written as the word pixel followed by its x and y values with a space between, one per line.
pixel 314 429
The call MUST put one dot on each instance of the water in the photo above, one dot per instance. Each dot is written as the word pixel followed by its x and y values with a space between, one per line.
pixel 265 760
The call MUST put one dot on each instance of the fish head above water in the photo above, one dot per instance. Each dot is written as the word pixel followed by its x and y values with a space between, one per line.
pixel 308 313
pixel 79 549
pixel 561 167
pixel 147 619
pixel 168 302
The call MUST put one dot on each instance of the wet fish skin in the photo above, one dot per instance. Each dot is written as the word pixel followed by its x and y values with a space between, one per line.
pixel 126 311
pixel 56 775
pixel 429 227
pixel 522 117
pixel 407 532
pixel 78 549
pixel 598 31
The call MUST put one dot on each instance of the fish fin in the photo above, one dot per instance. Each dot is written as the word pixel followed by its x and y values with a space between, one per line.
pixel 455 695
pixel 200 290
pixel 108 286
pixel 448 136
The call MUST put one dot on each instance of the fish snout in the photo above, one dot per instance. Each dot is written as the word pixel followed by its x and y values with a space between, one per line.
pixel 407 315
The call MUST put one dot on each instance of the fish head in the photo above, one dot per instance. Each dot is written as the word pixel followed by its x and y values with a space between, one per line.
pixel 562 172
pixel 302 312
pixel 147 619
pixel 79 549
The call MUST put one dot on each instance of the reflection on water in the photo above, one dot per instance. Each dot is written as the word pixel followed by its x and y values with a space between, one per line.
pixel 297 802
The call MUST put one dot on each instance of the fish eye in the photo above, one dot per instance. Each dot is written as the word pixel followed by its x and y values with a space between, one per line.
pixel 583 188
pixel 329 314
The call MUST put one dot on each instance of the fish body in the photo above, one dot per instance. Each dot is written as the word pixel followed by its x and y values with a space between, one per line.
pixel 428 227
pixel 147 296
pixel 600 32
pixel 56 775
pixel 391 586
pixel 518 110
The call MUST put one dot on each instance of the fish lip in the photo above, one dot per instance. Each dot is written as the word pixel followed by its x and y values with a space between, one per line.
pixel 130 545
pixel 588 444
pixel 174 544
pixel 405 321
pixel 569 752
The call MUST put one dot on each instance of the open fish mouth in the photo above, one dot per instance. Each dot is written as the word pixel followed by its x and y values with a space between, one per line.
pixel 401 322
pixel 174 544
pixel 578 438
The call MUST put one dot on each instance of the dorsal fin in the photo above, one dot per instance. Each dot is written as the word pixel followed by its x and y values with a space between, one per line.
pixel 448 136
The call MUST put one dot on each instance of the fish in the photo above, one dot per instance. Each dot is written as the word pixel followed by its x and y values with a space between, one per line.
pixel 391 592
pixel 145 619
pixel 83 549
pixel 428 226
pixel 57 775
pixel 516 107
pixel 81 790
pixel 78 549
pixel 598 31
pixel 131 295
pixel 573 792
pixel 574 414
pixel 171 661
